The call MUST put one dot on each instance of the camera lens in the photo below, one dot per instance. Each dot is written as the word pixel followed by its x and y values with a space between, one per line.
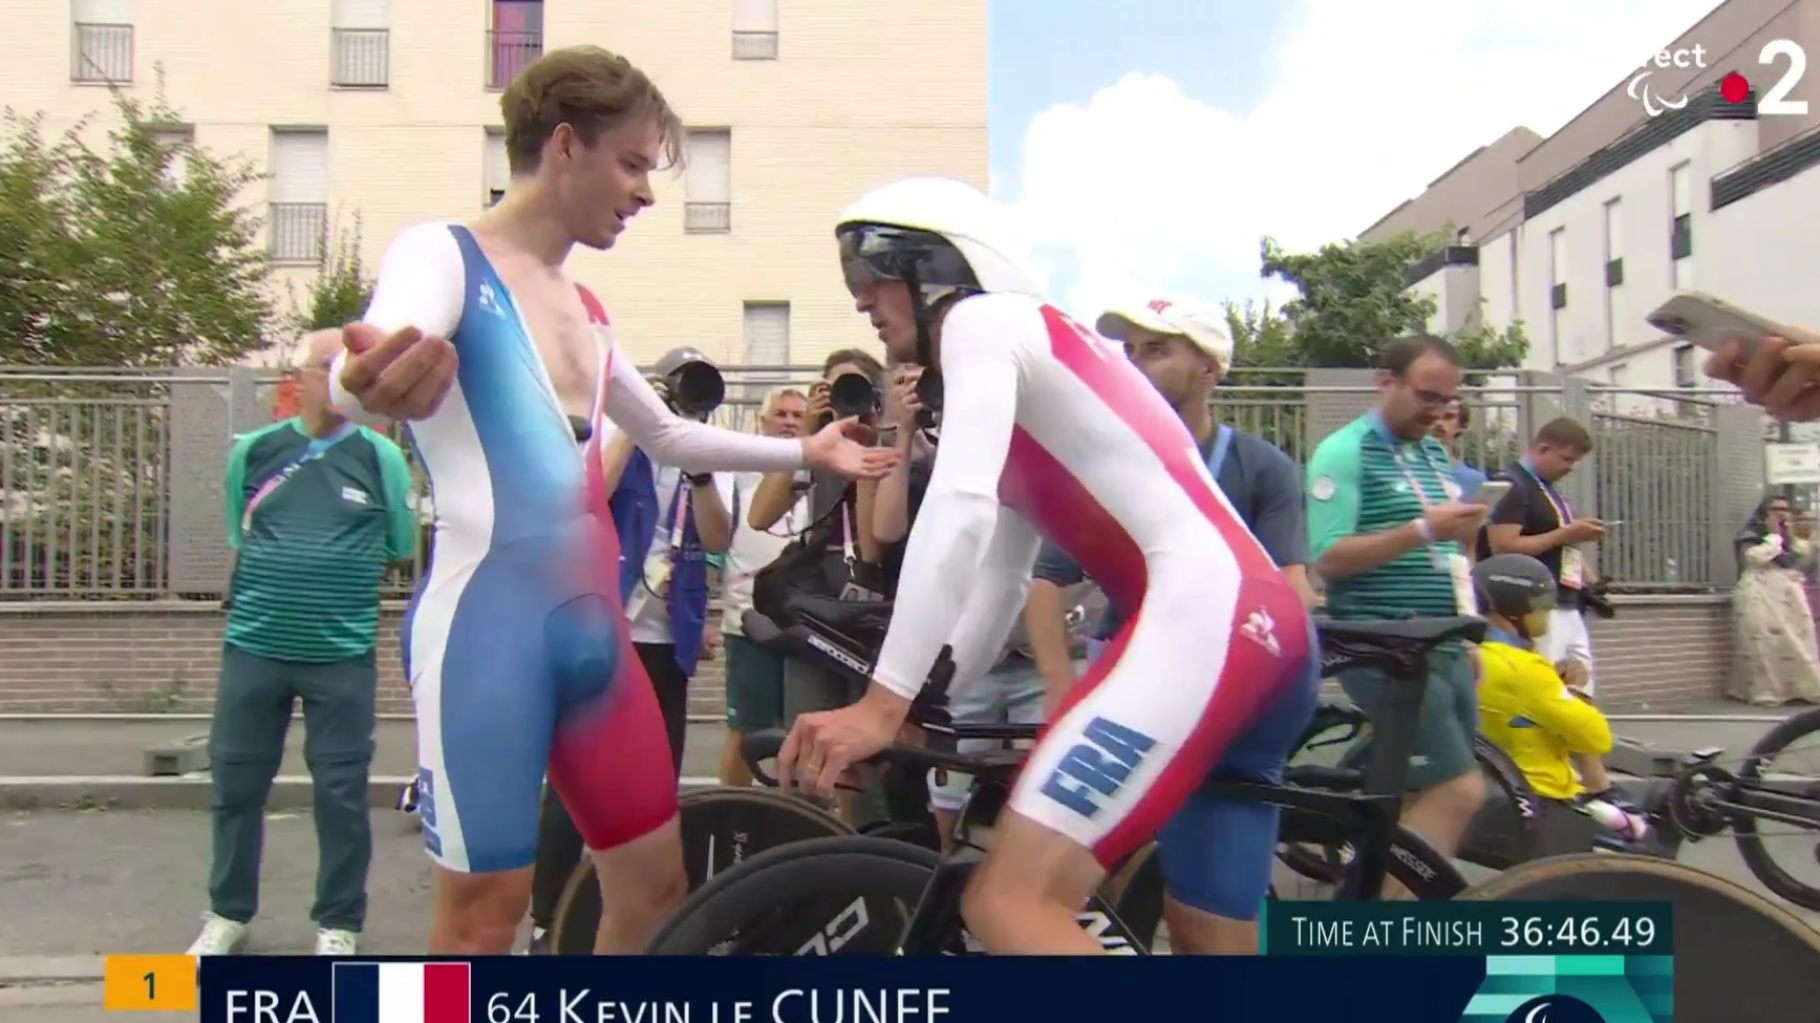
pixel 852 394
pixel 1672 324
pixel 697 388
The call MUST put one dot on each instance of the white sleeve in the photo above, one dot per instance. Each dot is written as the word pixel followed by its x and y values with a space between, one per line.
pixel 690 446
pixel 947 557
pixel 421 284
pixel 995 601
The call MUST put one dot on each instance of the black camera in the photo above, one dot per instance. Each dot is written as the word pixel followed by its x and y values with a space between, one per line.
pixel 853 394
pixel 692 386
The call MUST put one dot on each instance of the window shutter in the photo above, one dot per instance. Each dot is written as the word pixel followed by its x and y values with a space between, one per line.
pixel 767 330
pixel 755 15
pixel 709 175
pixel 300 167
pixel 100 12
pixel 499 169
pixel 367 14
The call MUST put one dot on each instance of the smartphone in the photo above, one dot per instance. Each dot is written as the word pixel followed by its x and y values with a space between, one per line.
pixel 1710 322
pixel 1491 492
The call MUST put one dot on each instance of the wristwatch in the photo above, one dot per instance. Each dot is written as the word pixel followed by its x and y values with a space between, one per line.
pixel 700 479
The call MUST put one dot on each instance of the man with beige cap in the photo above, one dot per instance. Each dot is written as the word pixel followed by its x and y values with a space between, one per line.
pixel 1216 854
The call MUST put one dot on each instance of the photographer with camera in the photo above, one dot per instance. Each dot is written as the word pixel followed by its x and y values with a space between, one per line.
pixel 840 535
pixel 668 522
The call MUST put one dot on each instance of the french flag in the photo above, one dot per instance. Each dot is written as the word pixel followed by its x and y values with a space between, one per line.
pixel 401 993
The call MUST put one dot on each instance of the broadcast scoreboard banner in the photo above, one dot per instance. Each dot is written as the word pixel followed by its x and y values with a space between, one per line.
pixel 1408 962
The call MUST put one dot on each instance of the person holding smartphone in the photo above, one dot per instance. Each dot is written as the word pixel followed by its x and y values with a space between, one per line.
pixel 1535 519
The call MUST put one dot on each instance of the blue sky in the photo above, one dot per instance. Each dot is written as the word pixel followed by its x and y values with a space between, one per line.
pixel 1149 144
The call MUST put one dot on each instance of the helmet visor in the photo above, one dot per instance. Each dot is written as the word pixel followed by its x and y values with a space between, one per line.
pixel 874 252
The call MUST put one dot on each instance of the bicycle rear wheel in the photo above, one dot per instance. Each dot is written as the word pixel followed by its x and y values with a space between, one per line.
pixel 720 829
pixel 846 896
pixel 1738 956
pixel 1751 847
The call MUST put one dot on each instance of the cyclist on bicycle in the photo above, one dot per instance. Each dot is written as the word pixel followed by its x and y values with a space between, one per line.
pixel 1525 708
pixel 1049 431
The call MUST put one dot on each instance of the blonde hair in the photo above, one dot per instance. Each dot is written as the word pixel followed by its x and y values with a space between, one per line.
pixel 776 396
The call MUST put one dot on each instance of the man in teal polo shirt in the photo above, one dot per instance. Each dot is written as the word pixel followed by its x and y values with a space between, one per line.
pixel 1391 538
pixel 316 508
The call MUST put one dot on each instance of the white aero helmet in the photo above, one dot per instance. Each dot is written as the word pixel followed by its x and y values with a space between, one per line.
pixel 938 235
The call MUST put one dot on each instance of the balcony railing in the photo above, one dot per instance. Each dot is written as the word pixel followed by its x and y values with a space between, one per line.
pixel 360 58
pixel 101 53
pixel 508 53
pixel 707 217
pixel 298 231
pixel 754 45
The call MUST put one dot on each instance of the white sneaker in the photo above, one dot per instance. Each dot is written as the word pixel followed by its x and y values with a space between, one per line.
pixel 220 937
pixel 331 942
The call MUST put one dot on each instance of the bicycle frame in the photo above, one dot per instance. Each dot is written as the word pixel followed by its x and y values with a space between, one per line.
pixel 1367 820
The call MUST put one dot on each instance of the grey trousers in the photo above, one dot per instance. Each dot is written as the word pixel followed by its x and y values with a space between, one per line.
pixel 809 688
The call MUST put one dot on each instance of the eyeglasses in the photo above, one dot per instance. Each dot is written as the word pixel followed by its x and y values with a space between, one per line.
pixel 1435 399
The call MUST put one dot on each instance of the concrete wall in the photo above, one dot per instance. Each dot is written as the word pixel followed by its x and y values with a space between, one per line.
pixel 1660 653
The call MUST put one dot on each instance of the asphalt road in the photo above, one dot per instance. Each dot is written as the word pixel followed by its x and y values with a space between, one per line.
pixel 83 883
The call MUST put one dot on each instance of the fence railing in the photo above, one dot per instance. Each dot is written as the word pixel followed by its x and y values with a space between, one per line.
pixel 299 230
pixel 101 54
pixel 360 58
pixel 508 53
pixel 110 480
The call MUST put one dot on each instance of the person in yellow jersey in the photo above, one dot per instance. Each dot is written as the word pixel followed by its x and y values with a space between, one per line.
pixel 1525 708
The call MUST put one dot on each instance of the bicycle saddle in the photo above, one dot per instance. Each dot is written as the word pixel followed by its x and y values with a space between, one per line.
pixel 1402 633
pixel 857 620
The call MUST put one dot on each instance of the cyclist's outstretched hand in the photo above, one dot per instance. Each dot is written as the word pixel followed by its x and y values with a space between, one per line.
pixel 833 449
pixel 403 376
pixel 1784 378
pixel 823 745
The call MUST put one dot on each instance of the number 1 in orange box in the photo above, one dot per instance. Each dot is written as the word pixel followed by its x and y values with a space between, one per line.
pixel 148 983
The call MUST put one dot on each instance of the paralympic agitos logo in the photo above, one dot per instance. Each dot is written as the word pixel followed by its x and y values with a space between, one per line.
pixel 1554 1009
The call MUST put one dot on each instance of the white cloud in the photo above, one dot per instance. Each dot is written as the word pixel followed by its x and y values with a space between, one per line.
pixel 1145 186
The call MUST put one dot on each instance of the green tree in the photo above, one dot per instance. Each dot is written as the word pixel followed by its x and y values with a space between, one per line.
pixel 1353 297
pixel 1261 338
pixel 341 291
pixel 134 253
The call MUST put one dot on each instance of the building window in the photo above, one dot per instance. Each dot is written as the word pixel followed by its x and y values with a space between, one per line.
pixel 174 139
pixel 299 196
pixel 1557 288
pixel 499 169
pixel 515 40
pixel 1681 226
pixel 708 181
pixel 360 44
pixel 101 42
pixel 767 336
pixel 1614 270
pixel 1684 366
pixel 754 29
pixel 1618 374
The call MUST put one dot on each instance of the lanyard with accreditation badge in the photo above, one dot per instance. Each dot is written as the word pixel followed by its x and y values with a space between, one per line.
pixel 1457 567
pixel 1573 563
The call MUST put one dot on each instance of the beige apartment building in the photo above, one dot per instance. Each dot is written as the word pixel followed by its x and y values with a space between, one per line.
pixel 389 110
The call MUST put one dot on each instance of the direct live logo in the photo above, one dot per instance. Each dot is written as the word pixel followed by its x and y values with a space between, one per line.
pixel 1733 87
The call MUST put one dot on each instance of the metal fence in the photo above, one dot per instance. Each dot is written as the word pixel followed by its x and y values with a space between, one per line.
pixel 111 481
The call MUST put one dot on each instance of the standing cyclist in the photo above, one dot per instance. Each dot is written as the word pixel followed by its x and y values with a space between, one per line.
pixel 1048 432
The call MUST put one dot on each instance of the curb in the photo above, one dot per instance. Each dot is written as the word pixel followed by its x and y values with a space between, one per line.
pixel 24 971
pixel 186 792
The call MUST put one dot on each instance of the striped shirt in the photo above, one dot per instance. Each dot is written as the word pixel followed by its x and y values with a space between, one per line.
pixel 1361 481
pixel 315 520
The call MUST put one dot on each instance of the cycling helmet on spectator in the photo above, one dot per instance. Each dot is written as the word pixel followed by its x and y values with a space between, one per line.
pixel 944 239
pixel 1517 588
